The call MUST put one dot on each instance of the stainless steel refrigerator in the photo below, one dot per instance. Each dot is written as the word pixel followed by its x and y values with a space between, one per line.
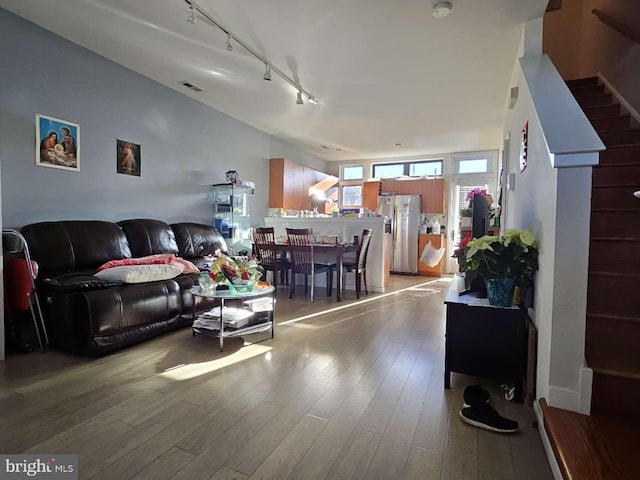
pixel 404 212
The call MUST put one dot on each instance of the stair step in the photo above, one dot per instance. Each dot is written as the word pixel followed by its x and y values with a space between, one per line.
pixel 614 255
pixel 601 111
pixel 613 294
pixel 612 343
pixel 620 154
pixel 619 122
pixel 590 447
pixel 581 82
pixel 617 223
pixel 596 100
pixel 615 197
pixel 587 91
pixel 616 174
pixel 615 394
pixel 620 137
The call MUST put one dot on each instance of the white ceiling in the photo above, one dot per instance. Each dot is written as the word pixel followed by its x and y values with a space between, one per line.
pixel 384 71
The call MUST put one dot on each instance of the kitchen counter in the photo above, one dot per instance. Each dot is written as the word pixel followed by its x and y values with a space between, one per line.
pixel 378 258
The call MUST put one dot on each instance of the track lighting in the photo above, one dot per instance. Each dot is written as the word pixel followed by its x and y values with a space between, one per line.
pixel 191 15
pixel 191 18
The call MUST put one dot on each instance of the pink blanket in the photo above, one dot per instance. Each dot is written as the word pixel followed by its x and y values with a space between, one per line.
pixel 161 258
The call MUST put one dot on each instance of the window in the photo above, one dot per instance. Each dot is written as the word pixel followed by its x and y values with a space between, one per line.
pixel 417 168
pixel 351 178
pixel 352 196
pixel 352 172
pixel 420 169
pixel 479 165
pixel 470 163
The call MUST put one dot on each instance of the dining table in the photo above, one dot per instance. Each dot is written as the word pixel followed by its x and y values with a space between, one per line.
pixel 330 250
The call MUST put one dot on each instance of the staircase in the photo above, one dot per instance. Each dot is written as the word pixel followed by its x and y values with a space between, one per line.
pixel 603 445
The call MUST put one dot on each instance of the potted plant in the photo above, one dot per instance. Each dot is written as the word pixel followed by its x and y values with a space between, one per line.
pixel 502 262
pixel 465 217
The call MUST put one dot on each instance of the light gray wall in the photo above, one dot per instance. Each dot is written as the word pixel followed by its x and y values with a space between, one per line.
pixel 186 146
pixel 555 204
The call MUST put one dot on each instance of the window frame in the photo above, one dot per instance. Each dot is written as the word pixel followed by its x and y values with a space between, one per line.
pixel 406 164
pixel 350 183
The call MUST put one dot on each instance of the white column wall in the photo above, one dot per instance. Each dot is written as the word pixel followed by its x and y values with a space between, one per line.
pixel 555 204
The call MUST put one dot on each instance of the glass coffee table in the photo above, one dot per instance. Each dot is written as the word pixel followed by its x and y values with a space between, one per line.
pixel 259 321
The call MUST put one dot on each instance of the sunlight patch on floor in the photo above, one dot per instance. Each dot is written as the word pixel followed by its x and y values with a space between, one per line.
pixel 361 302
pixel 192 370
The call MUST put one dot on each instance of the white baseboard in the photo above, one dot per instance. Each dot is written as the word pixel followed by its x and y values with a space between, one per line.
pixel 572 400
pixel 548 449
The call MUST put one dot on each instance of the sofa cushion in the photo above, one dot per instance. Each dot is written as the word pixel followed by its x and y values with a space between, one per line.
pixel 139 273
pixel 196 240
pixel 71 246
pixel 149 237
pixel 73 282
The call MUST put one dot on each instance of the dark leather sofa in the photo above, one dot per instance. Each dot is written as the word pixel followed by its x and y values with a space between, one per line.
pixel 86 315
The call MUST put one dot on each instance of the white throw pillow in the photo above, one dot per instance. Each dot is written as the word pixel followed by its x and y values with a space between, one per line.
pixel 139 273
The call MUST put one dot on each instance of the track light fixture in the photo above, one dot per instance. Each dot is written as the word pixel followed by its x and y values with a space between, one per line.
pixel 191 15
pixel 194 7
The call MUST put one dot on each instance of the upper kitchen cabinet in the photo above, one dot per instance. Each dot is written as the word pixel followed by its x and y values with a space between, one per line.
pixel 434 198
pixel 432 191
pixel 370 193
pixel 291 185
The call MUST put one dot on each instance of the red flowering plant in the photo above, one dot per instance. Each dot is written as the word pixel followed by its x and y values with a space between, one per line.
pixel 476 191
pixel 459 252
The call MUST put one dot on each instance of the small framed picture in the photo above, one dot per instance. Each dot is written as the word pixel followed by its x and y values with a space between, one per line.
pixel 57 143
pixel 128 158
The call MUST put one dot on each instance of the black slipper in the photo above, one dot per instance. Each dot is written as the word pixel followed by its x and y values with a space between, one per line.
pixel 475 395
pixel 485 416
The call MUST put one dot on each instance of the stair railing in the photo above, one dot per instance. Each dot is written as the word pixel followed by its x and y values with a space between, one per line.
pixel 629 32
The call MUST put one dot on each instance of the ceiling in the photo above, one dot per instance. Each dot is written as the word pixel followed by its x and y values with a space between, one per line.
pixel 384 71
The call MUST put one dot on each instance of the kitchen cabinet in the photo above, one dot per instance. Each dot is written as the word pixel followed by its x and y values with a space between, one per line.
pixel 370 192
pixel 434 196
pixel 432 191
pixel 289 184
pixel 437 241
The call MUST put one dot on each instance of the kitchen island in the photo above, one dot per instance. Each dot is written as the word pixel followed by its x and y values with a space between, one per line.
pixel 345 228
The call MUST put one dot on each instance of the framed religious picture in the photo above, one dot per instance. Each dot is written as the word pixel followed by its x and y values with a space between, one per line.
pixel 128 158
pixel 57 143
pixel 524 146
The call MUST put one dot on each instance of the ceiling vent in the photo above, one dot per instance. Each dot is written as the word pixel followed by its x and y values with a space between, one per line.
pixel 191 86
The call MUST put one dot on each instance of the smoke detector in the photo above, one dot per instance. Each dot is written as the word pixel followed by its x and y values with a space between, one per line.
pixel 442 9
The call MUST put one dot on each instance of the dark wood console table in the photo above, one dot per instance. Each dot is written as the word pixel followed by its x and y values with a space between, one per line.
pixel 484 341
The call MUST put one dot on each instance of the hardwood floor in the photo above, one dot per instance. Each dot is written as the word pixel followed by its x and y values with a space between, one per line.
pixel 349 390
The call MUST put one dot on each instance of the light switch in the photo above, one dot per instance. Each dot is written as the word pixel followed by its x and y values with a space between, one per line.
pixel 511 182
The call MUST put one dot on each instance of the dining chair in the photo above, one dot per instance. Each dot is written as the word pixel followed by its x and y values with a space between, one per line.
pixel 264 241
pixel 303 260
pixel 359 264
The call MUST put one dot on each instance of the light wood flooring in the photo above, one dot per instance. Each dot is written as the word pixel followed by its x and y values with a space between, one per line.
pixel 345 390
